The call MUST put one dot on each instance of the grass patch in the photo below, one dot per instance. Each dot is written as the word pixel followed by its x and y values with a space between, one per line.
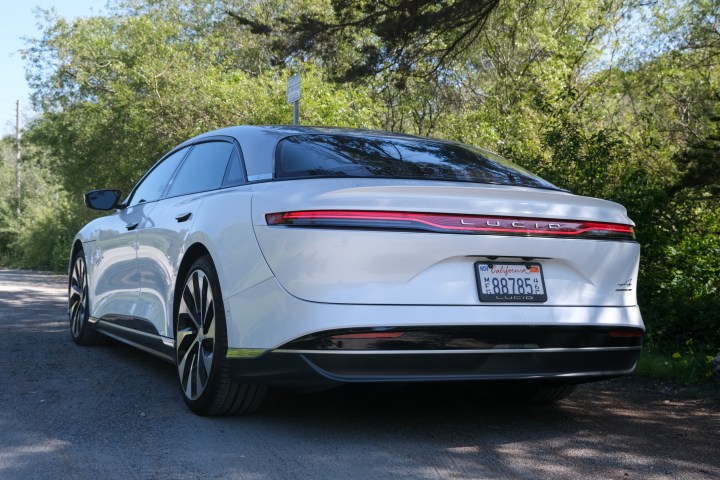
pixel 688 368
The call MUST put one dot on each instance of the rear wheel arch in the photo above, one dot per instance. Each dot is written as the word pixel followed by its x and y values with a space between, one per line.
pixel 194 252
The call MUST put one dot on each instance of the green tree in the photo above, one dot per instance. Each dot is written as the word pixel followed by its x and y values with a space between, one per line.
pixel 361 38
pixel 123 89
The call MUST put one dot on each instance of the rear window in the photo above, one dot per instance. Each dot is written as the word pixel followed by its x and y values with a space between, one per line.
pixel 318 155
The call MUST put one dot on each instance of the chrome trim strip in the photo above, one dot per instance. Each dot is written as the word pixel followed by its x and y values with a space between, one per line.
pixel 262 176
pixel 452 352
pixel 593 374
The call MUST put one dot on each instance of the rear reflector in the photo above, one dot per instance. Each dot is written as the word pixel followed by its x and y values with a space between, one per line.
pixel 451 223
pixel 626 333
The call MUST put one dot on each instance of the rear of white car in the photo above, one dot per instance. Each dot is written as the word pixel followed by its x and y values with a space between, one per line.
pixel 255 256
pixel 412 279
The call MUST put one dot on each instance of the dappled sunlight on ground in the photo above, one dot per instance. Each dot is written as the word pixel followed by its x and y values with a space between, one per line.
pixel 114 412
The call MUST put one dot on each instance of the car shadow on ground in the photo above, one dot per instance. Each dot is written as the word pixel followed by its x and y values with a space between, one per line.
pixel 624 427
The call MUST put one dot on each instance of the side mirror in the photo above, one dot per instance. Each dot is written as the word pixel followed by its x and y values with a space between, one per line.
pixel 102 199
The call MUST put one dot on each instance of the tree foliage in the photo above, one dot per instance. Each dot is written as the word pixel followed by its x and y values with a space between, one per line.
pixel 125 88
pixel 362 38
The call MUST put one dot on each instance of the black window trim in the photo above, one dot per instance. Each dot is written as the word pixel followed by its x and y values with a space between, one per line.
pixel 190 147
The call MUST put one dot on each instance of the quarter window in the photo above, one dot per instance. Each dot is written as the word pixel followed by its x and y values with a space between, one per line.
pixel 235 174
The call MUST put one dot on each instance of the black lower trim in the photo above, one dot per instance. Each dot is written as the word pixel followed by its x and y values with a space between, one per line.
pixel 307 368
pixel 148 342
pixel 134 323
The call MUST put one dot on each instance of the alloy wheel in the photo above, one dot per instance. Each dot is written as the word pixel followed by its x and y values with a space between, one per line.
pixel 195 334
pixel 78 297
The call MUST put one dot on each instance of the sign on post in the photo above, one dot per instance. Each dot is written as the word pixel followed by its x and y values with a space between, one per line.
pixel 293 96
pixel 293 89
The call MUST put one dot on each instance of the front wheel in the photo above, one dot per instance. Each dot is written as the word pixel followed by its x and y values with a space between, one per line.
pixel 78 303
pixel 201 348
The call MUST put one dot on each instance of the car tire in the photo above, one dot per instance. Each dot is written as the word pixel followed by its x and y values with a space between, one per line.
pixel 201 348
pixel 81 330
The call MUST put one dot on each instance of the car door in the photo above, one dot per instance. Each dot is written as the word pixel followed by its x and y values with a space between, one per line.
pixel 117 279
pixel 116 282
pixel 162 234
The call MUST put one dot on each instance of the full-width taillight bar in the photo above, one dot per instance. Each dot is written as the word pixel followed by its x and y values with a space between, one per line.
pixel 451 223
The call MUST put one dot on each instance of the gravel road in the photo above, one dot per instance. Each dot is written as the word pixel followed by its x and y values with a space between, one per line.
pixel 68 412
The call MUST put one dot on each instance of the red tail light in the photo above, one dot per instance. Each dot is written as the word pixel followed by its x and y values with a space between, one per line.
pixel 451 223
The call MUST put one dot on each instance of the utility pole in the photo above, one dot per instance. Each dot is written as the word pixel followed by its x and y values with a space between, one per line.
pixel 18 157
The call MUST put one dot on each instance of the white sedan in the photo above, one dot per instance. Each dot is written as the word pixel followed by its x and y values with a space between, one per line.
pixel 259 256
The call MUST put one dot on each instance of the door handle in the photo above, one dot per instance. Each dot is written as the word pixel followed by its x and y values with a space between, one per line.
pixel 183 217
pixel 132 226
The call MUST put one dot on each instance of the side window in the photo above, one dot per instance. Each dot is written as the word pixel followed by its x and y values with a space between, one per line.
pixel 235 172
pixel 203 169
pixel 153 185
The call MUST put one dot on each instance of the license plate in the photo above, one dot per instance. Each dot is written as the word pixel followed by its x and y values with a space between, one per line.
pixel 510 282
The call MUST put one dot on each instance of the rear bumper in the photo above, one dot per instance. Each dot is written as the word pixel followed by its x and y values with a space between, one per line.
pixel 266 317
pixel 597 353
